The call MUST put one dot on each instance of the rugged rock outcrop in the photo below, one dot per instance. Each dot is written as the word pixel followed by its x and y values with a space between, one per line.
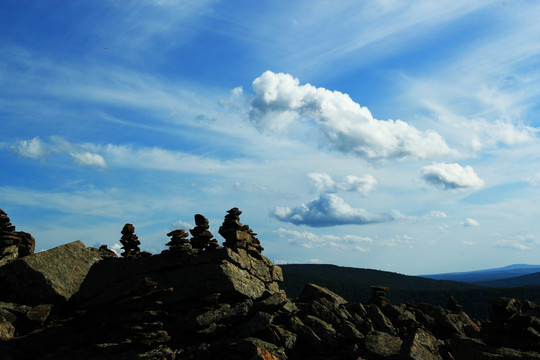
pixel 226 304
pixel 13 244
pixel 50 277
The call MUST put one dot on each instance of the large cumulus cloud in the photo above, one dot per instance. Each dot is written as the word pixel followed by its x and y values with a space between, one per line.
pixel 328 210
pixel 347 126
pixel 451 176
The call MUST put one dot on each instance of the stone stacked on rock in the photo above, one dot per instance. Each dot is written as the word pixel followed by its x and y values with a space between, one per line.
pixel 202 237
pixel 453 304
pixel 130 242
pixel 9 241
pixel 13 244
pixel 378 295
pixel 179 242
pixel 237 235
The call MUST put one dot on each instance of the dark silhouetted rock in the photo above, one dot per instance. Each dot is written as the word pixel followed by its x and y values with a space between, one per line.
pixel 202 237
pixel 130 242
pixel 13 244
pixel 179 242
pixel 237 235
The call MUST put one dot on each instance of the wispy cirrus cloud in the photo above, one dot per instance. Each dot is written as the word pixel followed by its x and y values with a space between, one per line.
pixel 355 34
pixel 311 240
pixel 128 156
pixel 517 242
pixel 38 149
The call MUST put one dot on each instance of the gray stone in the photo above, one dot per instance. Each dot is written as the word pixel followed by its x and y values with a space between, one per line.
pixel 51 276
pixel 382 344
pixel 422 346
pixel 7 330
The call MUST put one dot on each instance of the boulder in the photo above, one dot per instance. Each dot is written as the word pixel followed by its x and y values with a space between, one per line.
pixel 51 276
pixel 231 273
pixel 7 330
pixel 382 345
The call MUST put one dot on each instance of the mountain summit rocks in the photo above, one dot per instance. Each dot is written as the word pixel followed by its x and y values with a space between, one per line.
pixel 212 302
pixel 13 244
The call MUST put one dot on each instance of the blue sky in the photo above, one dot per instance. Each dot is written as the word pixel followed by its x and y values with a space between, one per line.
pixel 392 135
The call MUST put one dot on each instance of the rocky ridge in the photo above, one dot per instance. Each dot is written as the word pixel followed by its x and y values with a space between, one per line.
pixel 212 302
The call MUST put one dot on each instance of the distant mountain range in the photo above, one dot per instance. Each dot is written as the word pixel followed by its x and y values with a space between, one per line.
pixel 471 289
pixel 513 275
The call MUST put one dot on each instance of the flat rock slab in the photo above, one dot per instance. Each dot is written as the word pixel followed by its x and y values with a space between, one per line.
pixel 50 276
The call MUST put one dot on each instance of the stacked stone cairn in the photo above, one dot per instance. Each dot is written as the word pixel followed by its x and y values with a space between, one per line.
pixel 130 242
pixel 378 296
pixel 179 242
pixel 237 235
pixel 202 237
pixel 13 244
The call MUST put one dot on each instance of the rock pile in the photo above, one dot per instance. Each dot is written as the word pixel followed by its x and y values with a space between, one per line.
pixel 130 243
pixel 227 304
pixel 179 242
pixel 378 295
pixel 13 244
pixel 202 237
pixel 237 235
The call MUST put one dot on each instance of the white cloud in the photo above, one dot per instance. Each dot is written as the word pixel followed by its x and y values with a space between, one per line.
pixel 36 148
pixel 470 222
pixel 310 240
pixel 128 156
pixel 323 183
pixel 347 127
pixel 451 176
pixel 33 148
pixel 534 180
pixel 315 261
pixel 116 248
pixel 328 210
pixel 89 159
pixel 517 242
pixel 397 240
pixel 180 224
pixel 363 185
pixel 437 214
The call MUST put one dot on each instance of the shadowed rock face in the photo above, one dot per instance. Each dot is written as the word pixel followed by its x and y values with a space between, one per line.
pixel 226 304
pixel 13 244
pixel 51 276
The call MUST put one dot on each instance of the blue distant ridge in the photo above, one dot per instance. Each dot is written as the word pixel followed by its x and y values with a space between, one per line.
pixel 506 272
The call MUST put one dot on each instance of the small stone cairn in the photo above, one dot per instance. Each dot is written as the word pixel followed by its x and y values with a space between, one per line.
pixel 202 237
pixel 13 244
pixel 378 296
pixel 179 242
pixel 8 236
pixel 237 235
pixel 130 242
pixel 453 305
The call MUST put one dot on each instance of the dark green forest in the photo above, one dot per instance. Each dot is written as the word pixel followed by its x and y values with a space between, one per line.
pixel 353 284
